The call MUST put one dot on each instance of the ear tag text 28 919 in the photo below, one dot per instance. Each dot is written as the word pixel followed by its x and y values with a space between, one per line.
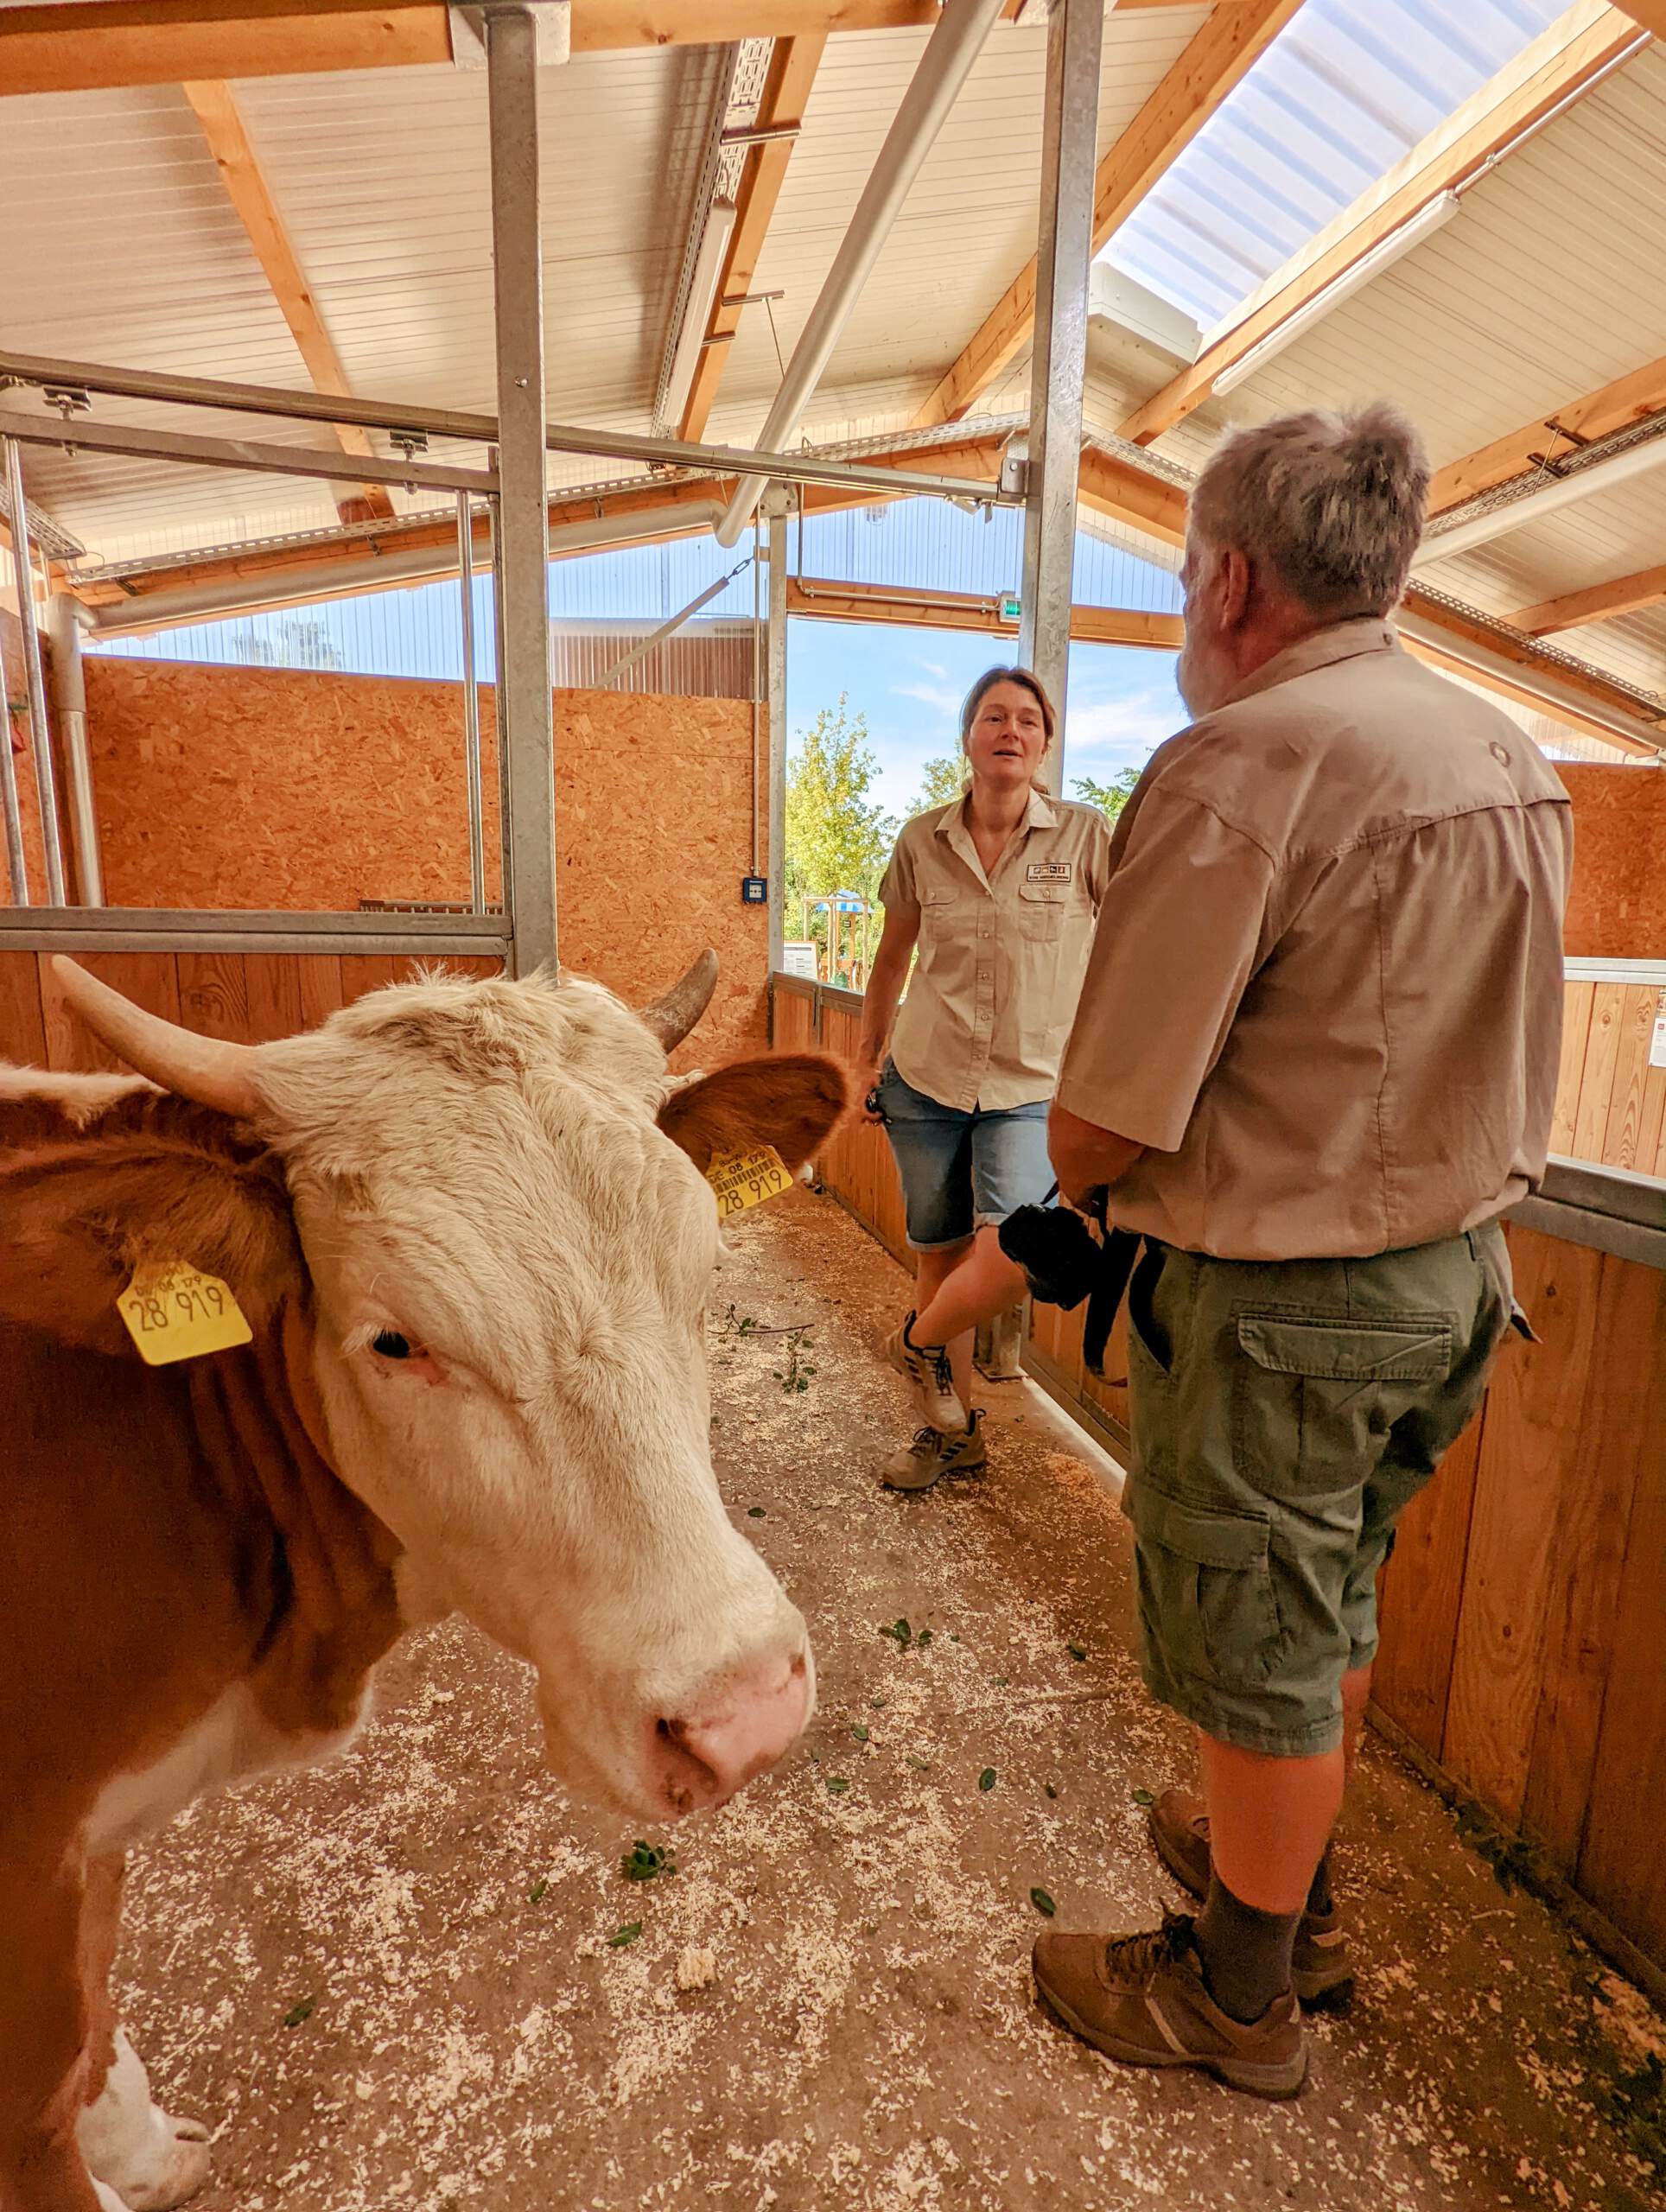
pixel 173 1311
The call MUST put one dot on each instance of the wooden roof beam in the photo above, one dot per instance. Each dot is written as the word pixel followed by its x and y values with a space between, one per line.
pixel 1597 603
pixel 1518 104
pixel 1217 60
pixel 216 109
pixel 792 67
pixel 831 601
pixel 70 46
pixel 1631 399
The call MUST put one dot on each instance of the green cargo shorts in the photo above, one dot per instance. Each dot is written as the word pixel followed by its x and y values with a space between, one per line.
pixel 1283 1415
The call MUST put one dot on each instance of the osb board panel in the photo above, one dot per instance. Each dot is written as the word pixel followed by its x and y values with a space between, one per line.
pixel 1617 907
pixel 311 790
pixel 281 788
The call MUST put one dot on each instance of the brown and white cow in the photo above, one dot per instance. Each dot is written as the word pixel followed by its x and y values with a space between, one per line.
pixel 468 1225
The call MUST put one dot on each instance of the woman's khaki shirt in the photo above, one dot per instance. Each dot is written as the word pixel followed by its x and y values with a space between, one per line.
pixel 991 999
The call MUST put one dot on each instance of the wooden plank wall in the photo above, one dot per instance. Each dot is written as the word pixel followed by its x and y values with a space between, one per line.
pixel 1523 1612
pixel 1610 1104
pixel 248 997
pixel 1524 1609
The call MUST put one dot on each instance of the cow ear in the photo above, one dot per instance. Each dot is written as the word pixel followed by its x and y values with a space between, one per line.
pixel 789 1100
pixel 155 1178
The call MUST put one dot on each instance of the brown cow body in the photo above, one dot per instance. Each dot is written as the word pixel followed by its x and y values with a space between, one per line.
pixel 190 1594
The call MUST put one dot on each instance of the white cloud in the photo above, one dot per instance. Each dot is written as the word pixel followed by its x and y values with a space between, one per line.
pixel 943 696
pixel 1127 728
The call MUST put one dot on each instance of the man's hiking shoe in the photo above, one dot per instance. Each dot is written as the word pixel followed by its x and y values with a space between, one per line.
pixel 1322 1967
pixel 1142 1999
pixel 932 1455
pixel 927 1368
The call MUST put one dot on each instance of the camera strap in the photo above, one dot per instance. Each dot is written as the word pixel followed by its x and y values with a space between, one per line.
pixel 1104 1299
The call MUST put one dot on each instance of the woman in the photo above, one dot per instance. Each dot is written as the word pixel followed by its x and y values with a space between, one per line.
pixel 999 891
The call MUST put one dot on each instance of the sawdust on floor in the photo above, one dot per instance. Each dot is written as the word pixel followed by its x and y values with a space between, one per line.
pixel 405 1983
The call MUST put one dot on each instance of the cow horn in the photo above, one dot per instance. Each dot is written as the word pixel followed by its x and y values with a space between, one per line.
pixel 671 1018
pixel 206 1069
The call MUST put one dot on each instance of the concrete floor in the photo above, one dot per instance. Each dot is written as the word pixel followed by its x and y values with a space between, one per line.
pixel 858 2030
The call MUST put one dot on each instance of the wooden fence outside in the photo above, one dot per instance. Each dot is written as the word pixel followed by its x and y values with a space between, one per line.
pixel 1523 1614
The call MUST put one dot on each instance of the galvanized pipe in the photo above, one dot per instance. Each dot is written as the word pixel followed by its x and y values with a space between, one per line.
pixel 953 45
pixel 440 422
pixel 332 468
pixel 775 655
pixel 46 780
pixel 1058 362
pixel 69 696
pixel 525 717
pixel 668 629
pixel 471 709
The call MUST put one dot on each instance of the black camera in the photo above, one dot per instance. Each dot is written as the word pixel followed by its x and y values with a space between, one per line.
pixel 1059 1253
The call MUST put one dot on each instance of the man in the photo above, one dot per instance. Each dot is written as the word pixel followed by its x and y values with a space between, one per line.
pixel 1315 1058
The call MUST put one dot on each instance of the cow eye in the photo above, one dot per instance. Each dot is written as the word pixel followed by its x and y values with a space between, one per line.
pixel 390 1345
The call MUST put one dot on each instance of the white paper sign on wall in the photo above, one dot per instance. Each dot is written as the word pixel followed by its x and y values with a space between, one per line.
pixel 1657 1043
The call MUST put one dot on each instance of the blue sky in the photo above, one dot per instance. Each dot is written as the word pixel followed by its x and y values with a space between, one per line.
pixel 909 685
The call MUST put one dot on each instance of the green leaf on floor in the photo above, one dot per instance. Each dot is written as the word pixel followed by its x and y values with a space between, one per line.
pixel 923 1638
pixel 1143 1798
pixel 986 1780
pixel 919 1765
pixel 1043 1903
pixel 899 1630
pixel 1075 1652
pixel 859 1732
pixel 646 1862
pixel 838 1785
pixel 754 1513
pixel 538 1890
pixel 628 1934
pixel 301 2011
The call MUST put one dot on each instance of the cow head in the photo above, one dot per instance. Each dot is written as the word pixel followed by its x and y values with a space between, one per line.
pixel 510 1240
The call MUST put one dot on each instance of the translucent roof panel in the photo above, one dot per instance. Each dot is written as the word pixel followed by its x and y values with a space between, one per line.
pixel 1345 91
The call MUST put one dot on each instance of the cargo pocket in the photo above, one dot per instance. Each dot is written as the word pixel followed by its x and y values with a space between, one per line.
pixel 1314 1399
pixel 1206 1600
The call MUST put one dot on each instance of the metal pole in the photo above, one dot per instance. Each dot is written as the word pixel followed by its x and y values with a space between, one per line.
pixel 1075 35
pixel 526 710
pixel 644 646
pixel 69 692
pixel 471 710
pixel 17 867
pixel 506 858
pixel 46 782
pixel 775 656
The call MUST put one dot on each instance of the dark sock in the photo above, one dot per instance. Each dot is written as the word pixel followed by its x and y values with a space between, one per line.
pixel 1318 1897
pixel 1246 1952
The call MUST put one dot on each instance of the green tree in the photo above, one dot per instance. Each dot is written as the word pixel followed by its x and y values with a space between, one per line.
pixel 941 782
pixel 837 838
pixel 1110 798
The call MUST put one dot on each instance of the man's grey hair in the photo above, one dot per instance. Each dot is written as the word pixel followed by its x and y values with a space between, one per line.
pixel 1334 504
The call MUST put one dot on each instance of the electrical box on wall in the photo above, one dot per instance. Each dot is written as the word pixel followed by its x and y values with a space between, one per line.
pixel 1012 607
pixel 755 890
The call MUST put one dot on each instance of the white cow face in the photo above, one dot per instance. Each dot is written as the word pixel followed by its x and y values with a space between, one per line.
pixel 511 1259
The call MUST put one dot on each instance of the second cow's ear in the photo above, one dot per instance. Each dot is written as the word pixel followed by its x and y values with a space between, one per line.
pixel 790 1100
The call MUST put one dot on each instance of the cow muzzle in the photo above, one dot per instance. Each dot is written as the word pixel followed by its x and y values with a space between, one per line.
pixel 728 1734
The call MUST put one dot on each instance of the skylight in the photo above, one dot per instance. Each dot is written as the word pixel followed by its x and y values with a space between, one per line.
pixel 1347 89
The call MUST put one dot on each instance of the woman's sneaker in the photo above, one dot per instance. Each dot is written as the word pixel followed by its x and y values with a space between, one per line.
pixel 932 1455
pixel 1322 1967
pixel 927 1368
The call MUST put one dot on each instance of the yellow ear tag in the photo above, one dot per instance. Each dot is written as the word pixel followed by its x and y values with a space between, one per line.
pixel 173 1311
pixel 746 1179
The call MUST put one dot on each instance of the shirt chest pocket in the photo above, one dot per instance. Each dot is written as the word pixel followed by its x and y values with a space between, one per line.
pixel 940 913
pixel 1041 909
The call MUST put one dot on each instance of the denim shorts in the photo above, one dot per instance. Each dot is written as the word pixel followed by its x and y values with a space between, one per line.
pixel 961 1171
pixel 1283 1415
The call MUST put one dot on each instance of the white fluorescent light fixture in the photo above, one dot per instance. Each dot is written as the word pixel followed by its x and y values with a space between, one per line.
pixel 1533 506
pixel 707 267
pixel 1439 211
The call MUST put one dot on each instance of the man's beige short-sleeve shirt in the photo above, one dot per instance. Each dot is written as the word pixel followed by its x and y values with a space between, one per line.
pixel 1327 988
pixel 1000 958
